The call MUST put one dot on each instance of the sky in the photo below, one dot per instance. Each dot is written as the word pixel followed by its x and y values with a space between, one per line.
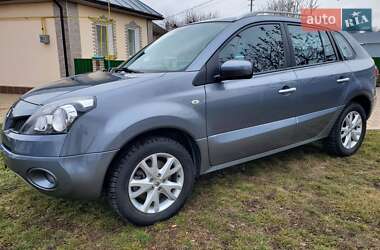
pixel 227 8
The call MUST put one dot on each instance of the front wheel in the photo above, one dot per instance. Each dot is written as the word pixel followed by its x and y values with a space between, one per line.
pixel 349 131
pixel 152 181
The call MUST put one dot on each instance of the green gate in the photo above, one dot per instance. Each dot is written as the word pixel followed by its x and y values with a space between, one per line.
pixel 84 65
pixel 112 63
pixel 377 61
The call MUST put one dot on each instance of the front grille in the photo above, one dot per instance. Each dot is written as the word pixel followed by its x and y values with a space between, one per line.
pixel 15 123
pixel 19 122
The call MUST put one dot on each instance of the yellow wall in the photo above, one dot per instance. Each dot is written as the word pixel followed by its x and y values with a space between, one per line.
pixel 24 60
pixel 27 62
pixel 120 21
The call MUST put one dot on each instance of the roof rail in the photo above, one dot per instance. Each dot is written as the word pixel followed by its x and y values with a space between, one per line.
pixel 275 13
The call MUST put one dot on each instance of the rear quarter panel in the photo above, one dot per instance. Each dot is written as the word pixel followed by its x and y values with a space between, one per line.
pixel 362 68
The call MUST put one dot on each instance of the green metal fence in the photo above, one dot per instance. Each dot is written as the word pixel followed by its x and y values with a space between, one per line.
pixel 377 62
pixel 112 64
pixel 84 65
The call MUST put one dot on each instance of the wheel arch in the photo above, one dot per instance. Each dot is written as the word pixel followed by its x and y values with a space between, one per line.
pixel 177 134
pixel 365 102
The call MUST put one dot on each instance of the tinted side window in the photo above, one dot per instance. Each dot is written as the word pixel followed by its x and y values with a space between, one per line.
pixel 307 46
pixel 330 55
pixel 262 45
pixel 344 47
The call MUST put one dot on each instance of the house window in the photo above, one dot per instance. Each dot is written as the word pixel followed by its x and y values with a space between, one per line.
pixel 133 38
pixel 133 41
pixel 104 40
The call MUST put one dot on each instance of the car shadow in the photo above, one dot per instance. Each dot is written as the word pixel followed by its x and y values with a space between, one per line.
pixel 310 150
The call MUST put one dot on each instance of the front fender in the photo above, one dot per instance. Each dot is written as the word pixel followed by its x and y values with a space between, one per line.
pixel 99 134
pixel 171 116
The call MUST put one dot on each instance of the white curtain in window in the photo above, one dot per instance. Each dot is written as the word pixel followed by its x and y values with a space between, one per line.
pixel 131 42
pixel 137 40
pixel 133 38
pixel 111 48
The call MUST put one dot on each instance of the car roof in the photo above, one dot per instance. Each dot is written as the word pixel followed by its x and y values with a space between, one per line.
pixel 260 16
pixel 271 16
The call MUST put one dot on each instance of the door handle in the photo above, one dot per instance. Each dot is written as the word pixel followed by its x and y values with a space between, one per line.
pixel 286 90
pixel 342 80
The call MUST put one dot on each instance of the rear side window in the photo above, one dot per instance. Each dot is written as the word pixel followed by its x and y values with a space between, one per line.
pixel 308 48
pixel 344 47
pixel 262 45
pixel 328 48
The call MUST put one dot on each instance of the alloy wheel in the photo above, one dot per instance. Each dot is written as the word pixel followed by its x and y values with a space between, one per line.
pixel 156 183
pixel 351 130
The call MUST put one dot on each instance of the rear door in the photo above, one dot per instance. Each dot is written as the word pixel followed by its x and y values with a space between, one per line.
pixel 252 116
pixel 322 79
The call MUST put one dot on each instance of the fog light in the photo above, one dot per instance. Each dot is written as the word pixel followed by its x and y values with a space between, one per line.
pixel 42 178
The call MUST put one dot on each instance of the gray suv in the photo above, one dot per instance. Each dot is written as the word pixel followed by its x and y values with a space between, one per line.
pixel 202 98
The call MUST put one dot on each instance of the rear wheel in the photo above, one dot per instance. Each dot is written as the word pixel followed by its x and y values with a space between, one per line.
pixel 152 181
pixel 348 132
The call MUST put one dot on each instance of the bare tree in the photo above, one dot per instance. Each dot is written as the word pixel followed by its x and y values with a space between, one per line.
pixel 171 24
pixel 190 17
pixel 193 17
pixel 293 6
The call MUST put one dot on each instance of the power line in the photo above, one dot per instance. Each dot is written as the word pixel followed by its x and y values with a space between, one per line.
pixel 194 7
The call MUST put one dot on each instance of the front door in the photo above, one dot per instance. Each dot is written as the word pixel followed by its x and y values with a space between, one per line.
pixel 252 116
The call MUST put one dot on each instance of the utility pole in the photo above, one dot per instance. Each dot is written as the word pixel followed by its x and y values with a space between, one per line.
pixel 251 5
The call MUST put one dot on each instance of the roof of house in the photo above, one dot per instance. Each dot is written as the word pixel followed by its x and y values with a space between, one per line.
pixel 132 5
pixel 367 37
pixel 157 29
pixel 135 6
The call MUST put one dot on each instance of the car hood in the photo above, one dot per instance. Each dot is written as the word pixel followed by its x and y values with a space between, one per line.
pixel 49 92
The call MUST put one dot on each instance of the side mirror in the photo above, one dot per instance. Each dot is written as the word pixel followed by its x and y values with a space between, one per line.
pixel 236 69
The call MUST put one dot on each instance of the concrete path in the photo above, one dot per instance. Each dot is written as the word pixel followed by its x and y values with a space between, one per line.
pixel 7 100
pixel 374 121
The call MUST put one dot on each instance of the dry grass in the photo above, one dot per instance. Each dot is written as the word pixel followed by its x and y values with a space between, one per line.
pixel 302 198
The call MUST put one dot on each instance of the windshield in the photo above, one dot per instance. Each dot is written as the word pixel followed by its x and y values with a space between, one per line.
pixel 176 50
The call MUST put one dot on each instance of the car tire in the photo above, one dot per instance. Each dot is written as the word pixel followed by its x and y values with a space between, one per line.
pixel 337 143
pixel 136 165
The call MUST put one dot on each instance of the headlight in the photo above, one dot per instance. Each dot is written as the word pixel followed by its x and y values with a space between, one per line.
pixel 57 117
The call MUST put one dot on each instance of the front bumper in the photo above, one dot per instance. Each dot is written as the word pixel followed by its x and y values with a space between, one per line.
pixel 77 177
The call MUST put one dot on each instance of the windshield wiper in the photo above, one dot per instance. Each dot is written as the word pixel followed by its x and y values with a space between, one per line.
pixel 127 70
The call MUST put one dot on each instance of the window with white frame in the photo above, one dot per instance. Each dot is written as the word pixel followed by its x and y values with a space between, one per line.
pixel 133 38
